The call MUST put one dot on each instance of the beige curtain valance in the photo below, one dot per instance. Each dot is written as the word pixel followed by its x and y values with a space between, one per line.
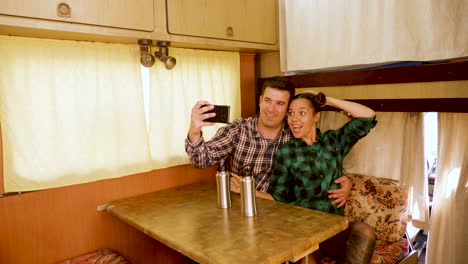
pixel 327 34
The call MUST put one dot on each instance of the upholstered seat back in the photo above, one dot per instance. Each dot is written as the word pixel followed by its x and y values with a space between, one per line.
pixel 100 256
pixel 381 203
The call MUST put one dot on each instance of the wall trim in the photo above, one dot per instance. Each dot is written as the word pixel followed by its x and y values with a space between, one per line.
pixel 413 105
pixel 440 72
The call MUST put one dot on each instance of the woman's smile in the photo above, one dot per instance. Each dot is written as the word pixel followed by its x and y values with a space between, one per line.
pixel 302 120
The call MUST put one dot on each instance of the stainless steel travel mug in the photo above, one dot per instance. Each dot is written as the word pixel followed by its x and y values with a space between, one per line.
pixel 223 187
pixel 247 195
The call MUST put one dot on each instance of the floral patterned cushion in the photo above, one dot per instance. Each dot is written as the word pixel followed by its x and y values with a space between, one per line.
pixel 101 256
pixel 379 202
pixel 385 252
pixel 390 252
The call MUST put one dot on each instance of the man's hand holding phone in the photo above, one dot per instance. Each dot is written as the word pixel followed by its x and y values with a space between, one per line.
pixel 222 114
pixel 202 112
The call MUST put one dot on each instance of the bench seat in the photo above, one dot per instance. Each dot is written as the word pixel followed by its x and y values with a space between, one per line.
pixel 100 256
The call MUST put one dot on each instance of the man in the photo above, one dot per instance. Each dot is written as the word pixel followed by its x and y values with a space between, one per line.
pixel 251 142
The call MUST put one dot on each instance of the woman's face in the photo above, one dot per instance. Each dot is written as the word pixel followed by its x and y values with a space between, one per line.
pixel 302 119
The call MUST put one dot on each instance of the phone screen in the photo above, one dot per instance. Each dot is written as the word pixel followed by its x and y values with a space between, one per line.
pixel 222 114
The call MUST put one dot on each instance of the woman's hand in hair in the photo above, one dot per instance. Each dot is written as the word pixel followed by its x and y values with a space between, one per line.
pixel 354 109
pixel 310 92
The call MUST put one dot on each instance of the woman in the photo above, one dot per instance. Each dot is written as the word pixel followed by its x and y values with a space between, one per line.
pixel 307 166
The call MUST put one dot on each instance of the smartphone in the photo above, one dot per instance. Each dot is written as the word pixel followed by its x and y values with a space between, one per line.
pixel 222 114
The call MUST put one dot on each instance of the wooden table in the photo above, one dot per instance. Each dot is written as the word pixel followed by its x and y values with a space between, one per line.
pixel 187 219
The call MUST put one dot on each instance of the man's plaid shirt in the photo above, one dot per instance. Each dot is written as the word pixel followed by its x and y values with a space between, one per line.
pixel 242 141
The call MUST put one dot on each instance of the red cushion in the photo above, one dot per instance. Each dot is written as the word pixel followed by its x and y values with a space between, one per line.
pixel 101 256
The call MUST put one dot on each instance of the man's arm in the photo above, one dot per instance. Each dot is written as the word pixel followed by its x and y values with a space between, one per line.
pixel 205 154
pixel 340 194
pixel 235 187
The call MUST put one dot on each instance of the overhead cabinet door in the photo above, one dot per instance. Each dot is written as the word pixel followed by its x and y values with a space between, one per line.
pixel 241 20
pixel 129 14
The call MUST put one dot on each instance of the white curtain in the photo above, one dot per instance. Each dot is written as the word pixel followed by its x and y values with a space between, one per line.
pixel 71 112
pixel 321 34
pixel 393 149
pixel 213 76
pixel 448 233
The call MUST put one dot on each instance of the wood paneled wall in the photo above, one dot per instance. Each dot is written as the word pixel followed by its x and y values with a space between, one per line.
pixel 55 224
pixel 247 85
pixel 1 162
pixel 52 225
pixel 437 87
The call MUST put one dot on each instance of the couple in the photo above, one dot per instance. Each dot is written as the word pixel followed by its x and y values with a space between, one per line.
pixel 296 164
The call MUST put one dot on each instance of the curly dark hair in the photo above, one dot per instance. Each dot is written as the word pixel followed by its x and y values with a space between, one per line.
pixel 317 100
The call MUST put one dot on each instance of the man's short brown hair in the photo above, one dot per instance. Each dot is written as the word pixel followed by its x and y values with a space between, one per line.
pixel 280 83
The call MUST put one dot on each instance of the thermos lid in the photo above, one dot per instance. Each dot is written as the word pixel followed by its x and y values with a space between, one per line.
pixel 221 166
pixel 247 170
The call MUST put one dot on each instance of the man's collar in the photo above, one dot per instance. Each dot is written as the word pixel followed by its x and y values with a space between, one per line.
pixel 284 128
pixel 255 126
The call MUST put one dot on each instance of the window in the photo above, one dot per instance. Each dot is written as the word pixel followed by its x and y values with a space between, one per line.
pixel 430 150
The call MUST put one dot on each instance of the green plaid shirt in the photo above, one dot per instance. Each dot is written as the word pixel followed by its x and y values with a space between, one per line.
pixel 303 174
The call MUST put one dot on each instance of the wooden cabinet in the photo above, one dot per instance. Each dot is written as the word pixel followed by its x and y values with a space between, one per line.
pixel 233 25
pixel 241 20
pixel 128 14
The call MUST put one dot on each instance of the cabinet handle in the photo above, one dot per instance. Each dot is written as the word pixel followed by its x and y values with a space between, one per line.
pixel 229 32
pixel 63 10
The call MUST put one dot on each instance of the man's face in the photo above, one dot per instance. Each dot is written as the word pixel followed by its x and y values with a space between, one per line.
pixel 273 107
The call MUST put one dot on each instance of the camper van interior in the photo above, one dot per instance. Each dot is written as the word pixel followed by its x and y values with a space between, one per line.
pixel 95 107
